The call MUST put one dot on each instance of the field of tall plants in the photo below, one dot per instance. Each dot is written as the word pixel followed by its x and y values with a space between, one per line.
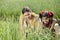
pixel 10 11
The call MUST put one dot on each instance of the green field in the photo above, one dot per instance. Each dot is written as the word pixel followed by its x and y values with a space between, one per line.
pixel 10 11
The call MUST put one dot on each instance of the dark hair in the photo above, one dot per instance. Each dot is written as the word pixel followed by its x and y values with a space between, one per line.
pixel 26 9
pixel 45 14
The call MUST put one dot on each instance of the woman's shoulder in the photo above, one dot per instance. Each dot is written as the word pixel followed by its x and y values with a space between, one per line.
pixel 34 14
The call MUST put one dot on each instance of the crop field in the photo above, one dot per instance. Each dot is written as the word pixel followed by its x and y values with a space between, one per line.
pixel 10 11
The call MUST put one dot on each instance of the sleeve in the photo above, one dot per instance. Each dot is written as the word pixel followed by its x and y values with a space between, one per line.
pixel 20 27
pixel 57 28
pixel 53 23
pixel 21 23
pixel 56 24
pixel 38 25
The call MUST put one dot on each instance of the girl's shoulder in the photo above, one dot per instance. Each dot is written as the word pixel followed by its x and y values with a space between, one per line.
pixel 55 20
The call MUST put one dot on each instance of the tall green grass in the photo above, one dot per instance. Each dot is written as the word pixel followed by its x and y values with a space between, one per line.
pixel 10 11
pixel 9 30
pixel 14 7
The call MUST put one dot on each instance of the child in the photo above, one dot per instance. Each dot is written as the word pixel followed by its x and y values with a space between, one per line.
pixel 47 21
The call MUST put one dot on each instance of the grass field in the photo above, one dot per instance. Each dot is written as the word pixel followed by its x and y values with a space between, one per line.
pixel 13 7
pixel 10 11
pixel 9 31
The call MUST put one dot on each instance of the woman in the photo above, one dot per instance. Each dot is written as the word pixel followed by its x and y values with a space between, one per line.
pixel 27 20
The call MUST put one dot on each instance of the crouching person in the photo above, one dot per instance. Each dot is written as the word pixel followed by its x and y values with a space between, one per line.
pixel 27 20
pixel 47 21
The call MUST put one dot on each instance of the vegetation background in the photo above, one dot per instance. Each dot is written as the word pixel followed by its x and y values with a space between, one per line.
pixel 10 11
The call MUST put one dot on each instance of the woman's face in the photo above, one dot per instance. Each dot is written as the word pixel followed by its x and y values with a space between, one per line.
pixel 45 20
pixel 27 15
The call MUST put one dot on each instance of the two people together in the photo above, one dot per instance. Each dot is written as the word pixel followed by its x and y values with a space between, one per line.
pixel 29 19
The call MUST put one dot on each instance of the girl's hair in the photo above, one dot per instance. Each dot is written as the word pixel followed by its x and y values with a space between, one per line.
pixel 48 14
pixel 26 9
pixel 45 14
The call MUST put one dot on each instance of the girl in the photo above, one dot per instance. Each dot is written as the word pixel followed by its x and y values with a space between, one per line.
pixel 47 21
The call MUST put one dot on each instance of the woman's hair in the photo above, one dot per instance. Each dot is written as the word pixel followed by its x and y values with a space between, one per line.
pixel 26 9
pixel 45 14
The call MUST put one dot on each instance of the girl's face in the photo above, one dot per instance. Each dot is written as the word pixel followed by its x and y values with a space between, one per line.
pixel 27 15
pixel 45 20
